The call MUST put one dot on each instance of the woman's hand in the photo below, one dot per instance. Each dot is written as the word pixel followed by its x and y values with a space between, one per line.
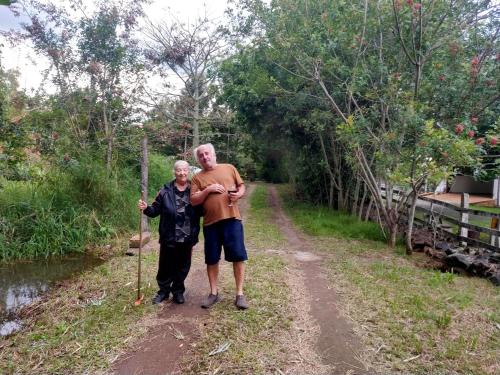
pixel 142 205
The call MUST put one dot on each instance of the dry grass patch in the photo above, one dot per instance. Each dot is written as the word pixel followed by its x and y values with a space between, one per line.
pixel 249 336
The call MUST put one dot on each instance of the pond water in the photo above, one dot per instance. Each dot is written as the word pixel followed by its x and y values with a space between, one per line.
pixel 23 282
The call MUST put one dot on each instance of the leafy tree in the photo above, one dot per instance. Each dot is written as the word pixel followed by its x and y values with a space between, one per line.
pixel 96 64
pixel 371 73
pixel 13 135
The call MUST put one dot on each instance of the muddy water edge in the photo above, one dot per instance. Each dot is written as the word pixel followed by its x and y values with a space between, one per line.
pixel 23 282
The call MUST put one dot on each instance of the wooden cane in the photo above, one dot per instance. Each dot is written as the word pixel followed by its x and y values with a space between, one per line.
pixel 140 296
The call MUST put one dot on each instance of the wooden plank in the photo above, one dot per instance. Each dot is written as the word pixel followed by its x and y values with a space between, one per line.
pixel 440 203
pixel 134 240
pixel 465 239
pixel 464 216
pixel 472 226
pixel 479 243
pixel 495 239
pixel 483 213
pixel 456 208
pixel 455 221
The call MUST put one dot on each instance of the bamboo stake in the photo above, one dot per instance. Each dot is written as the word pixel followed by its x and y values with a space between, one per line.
pixel 140 296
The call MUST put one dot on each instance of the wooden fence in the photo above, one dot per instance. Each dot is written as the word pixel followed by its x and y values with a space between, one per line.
pixel 442 216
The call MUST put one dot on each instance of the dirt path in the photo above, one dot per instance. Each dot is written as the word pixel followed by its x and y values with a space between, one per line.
pixel 336 344
pixel 175 329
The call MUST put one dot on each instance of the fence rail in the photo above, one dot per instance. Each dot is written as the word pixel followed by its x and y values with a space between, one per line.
pixel 439 214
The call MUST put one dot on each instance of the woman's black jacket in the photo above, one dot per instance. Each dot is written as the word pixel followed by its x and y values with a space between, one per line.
pixel 164 205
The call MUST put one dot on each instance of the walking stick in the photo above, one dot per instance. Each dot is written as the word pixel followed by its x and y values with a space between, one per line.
pixel 139 295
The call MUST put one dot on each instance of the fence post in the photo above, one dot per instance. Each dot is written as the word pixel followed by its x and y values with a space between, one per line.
pixel 388 195
pixel 464 216
pixel 495 222
pixel 430 219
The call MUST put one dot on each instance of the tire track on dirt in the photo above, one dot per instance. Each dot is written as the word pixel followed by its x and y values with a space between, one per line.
pixel 336 344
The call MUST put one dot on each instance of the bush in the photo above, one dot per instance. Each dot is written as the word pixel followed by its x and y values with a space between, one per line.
pixel 71 207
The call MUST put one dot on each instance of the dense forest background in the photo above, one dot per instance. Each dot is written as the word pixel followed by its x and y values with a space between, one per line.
pixel 336 98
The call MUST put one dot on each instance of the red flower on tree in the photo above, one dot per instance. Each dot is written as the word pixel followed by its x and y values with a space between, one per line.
pixel 459 128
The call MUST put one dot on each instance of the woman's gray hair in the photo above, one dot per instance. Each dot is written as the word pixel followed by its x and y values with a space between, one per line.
pixel 180 164
pixel 210 147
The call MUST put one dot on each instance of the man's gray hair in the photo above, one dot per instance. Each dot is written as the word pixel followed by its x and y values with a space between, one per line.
pixel 210 147
pixel 180 164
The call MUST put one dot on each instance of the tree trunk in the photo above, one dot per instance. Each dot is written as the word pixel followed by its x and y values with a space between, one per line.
pixel 109 154
pixel 330 196
pixel 393 235
pixel 354 206
pixel 333 184
pixel 196 117
pixel 337 166
pixel 109 139
pixel 369 210
pixel 411 219
pixel 362 204
pixel 144 178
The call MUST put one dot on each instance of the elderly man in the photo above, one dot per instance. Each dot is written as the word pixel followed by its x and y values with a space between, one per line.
pixel 217 187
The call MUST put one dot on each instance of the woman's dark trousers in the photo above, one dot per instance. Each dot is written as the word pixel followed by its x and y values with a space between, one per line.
pixel 173 267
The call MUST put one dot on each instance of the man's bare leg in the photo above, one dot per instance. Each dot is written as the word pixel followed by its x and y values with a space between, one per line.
pixel 213 276
pixel 239 276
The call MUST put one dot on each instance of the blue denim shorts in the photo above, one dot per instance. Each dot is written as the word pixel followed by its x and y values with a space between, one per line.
pixel 227 233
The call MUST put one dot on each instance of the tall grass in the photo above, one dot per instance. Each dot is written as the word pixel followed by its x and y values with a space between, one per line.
pixel 323 221
pixel 71 207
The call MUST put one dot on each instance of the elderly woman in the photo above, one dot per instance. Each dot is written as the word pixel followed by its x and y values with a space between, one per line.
pixel 179 228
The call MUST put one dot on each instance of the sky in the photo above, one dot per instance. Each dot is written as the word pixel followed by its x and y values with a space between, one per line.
pixel 30 65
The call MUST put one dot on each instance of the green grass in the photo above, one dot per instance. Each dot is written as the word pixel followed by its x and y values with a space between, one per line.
pixel 264 233
pixel 70 208
pixel 446 323
pixel 81 327
pixel 448 320
pixel 253 334
pixel 322 221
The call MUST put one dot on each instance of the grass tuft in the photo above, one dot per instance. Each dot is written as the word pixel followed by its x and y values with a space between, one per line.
pixel 71 208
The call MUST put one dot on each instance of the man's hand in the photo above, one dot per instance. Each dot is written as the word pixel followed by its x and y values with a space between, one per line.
pixel 215 188
pixel 200 196
pixel 234 196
